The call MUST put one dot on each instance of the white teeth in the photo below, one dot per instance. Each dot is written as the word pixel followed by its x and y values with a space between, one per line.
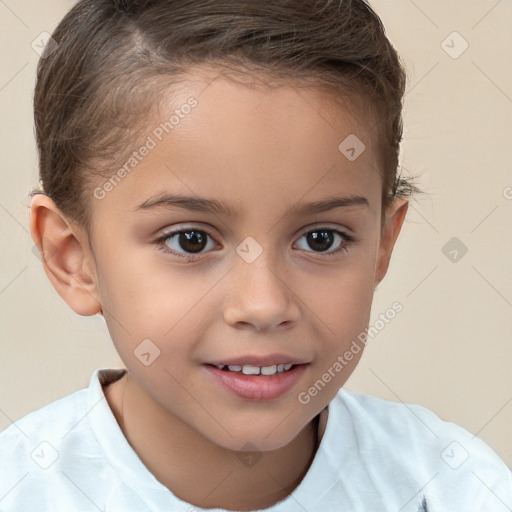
pixel 251 370
pixel 257 370
pixel 268 370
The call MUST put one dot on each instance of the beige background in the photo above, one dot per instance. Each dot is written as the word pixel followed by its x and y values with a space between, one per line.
pixel 449 349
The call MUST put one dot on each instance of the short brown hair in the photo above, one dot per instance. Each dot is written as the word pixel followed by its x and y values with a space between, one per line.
pixel 113 58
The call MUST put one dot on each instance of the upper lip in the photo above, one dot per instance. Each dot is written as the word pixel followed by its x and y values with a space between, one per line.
pixel 255 360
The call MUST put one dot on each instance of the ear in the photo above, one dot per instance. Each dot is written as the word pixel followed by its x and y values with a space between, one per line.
pixel 392 224
pixel 66 258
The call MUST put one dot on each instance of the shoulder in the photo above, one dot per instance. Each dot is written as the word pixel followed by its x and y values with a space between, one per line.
pixel 54 413
pixel 39 430
pixel 64 420
pixel 411 426
pixel 394 417
pixel 48 451
pixel 32 444
pixel 41 449
pixel 412 441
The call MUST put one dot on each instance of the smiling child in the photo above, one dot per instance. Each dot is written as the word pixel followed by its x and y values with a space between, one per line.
pixel 219 181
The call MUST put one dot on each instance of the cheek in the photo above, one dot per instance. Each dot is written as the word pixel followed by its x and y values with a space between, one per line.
pixel 144 300
pixel 141 288
pixel 342 300
pixel 340 308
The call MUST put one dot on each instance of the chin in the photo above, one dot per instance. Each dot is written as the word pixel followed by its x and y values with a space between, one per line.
pixel 258 439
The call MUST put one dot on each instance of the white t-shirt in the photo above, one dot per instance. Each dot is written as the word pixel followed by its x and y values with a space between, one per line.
pixel 375 455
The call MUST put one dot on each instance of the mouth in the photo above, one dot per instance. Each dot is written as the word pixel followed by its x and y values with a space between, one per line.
pixel 256 383
pixel 248 369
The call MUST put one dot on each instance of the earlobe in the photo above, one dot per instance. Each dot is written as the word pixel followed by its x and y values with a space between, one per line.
pixel 391 227
pixel 65 260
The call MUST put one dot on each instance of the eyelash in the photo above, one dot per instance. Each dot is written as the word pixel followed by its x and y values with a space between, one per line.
pixel 349 240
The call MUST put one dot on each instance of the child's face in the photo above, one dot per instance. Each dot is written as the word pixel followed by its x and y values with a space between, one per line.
pixel 262 152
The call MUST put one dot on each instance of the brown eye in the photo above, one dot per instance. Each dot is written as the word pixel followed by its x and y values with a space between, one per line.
pixel 185 242
pixel 322 239
pixel 191 241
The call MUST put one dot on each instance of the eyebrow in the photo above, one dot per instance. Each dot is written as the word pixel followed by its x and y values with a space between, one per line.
pixel 166 201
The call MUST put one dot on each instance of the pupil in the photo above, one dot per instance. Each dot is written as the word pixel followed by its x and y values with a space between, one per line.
pixel 323 238
pixel 192 241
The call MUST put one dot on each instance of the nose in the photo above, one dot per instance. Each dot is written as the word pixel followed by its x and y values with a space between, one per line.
pixel 260 297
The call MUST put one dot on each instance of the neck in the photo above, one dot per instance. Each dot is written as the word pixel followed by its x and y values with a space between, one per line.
pixel 198 471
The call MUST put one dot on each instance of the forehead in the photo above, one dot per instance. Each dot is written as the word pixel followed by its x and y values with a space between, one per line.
pixel 271 103
pixel 251 144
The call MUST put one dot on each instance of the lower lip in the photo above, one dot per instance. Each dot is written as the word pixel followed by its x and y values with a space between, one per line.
pixel 258 387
